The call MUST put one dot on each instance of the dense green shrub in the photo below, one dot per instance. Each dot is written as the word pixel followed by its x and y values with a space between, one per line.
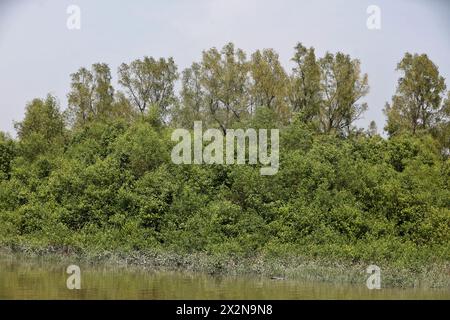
pixel 111 185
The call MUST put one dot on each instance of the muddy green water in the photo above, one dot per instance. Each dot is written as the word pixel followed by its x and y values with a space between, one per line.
pixel 24 278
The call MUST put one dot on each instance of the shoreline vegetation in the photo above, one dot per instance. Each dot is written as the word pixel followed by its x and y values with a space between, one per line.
pixel 96 180
pixel 293 268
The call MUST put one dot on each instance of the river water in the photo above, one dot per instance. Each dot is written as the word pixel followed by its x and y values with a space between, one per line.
pixel 25 278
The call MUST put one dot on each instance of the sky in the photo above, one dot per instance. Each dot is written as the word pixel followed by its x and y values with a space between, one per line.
pixel 38 52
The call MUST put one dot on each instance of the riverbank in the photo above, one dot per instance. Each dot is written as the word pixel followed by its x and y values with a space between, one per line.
pixel 287 267
pixel 24 277
pixel 336 206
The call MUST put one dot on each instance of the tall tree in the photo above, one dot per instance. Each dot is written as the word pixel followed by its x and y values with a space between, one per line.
pixel 304 89
pixel 269 81
pixel 417 102
pixel 193 103
pixel 92 95
pixel 103 91
pixel 81 96
pixel 217 86
pixel 342 86
pixel 150 82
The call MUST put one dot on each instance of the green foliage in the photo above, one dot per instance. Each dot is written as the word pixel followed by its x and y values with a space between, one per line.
pixel 91 96
pixel 216 89
pixel 141 149
pixel 42 130
pixel 42 117
pixel 149 82
pixel 108 182
pixel 7 154
pixel 225 89
pixel 113 186
pixel 417 102
pixel 305 90
pixel 343 86
pixel 269 81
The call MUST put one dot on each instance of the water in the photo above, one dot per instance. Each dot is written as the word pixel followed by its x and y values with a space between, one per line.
pixel 22 278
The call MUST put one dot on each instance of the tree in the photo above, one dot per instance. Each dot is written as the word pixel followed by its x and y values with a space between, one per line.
pixel 193 103
pixel 104 92
pixel 7 154
pixel 80 98
pixel 373 130
pixel 42 117
pixel 42 129
pixel 217 86
pixel 304 83
pixel 149 82
pixel 92 95
pixel 417 102
pixel 122 107
pixel 342 86
pixel 269 81
pixel 441 131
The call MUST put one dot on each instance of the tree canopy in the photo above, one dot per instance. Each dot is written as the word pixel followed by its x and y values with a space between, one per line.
pixel 98 176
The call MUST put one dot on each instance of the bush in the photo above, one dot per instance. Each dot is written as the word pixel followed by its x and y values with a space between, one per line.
pixel 112 186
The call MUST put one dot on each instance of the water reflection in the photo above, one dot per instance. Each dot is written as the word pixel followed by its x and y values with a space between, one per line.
pixel 22 278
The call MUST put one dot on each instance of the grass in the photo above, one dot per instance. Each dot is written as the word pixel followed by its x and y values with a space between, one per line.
pixel 290 266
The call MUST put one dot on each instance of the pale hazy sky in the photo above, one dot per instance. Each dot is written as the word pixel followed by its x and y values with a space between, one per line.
pixel 38 52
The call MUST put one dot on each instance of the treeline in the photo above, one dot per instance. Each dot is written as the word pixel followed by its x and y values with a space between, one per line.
pixel 98 176
pixel 227 88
